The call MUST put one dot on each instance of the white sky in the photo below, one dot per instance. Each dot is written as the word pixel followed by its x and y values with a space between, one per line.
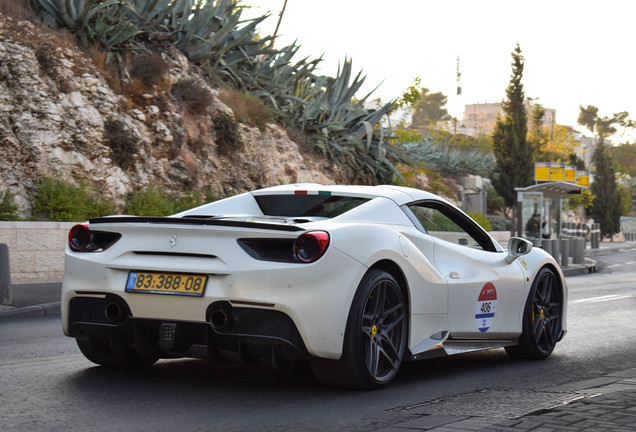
pixel 577 52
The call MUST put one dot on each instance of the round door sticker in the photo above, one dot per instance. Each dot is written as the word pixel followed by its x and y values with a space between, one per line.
pixel 486 307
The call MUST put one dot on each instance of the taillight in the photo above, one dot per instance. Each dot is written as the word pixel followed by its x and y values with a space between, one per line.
pixel 79 237
pixel 82 239
pixel 310 246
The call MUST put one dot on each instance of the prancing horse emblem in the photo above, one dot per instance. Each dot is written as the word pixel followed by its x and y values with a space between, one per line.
pixel 173 241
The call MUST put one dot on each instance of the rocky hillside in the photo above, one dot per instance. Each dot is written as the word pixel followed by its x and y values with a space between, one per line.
pixel 64 114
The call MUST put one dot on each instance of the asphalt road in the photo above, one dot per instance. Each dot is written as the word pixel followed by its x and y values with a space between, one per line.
pixel 46 384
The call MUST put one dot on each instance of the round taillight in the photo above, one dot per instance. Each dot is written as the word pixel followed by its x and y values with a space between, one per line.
pixel 310 246
pixel 79 237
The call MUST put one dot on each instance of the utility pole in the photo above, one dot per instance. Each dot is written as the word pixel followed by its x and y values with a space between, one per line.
pixel 459 92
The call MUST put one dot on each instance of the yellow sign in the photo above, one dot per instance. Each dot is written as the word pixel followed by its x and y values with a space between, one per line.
pixel 570 174
pixel 542 171
pixel 557 171
pixel 583 178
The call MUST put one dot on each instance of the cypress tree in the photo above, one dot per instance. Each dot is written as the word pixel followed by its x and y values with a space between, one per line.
pixel 606 206
pixel 514 165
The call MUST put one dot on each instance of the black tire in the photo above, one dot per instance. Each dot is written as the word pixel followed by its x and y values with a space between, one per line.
pixel 541 319
pixel 375 339
pixel 99 352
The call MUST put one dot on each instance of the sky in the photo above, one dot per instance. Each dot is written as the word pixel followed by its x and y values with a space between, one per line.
pixel 577 52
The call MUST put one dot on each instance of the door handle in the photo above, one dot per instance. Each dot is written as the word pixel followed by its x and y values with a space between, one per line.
pixel 454 275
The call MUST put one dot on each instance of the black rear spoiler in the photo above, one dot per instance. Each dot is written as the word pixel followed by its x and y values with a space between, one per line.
pixel 194 221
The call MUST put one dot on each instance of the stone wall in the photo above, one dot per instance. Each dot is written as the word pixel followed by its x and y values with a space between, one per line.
pixel 36 249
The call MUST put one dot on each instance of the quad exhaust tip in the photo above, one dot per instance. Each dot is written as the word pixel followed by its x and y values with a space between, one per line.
pixel 220 320
pixel 115 312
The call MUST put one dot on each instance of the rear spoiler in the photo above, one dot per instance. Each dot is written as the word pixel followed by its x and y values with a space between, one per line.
pixel 193 221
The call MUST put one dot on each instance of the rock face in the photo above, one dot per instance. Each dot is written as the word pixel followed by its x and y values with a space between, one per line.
pixel 62 117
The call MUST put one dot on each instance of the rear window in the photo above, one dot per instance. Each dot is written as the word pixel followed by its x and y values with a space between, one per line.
pixel 328 206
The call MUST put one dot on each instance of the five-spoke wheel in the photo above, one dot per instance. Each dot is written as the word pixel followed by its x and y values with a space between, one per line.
pixel 541 319
pixel 375 339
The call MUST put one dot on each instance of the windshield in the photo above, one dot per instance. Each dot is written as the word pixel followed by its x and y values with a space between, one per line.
pixel 328 206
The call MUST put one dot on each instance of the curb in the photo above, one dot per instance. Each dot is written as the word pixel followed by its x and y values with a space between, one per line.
pixel 46 309
pixel 589 266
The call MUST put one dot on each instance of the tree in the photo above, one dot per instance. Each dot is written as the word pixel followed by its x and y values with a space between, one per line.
pixel 514 165
pixel 537 135
pixel 429 108
pixel 426 107
pixel 606 206
pixel 624 158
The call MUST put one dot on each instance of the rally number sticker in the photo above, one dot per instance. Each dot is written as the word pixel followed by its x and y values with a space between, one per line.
pixel 486 307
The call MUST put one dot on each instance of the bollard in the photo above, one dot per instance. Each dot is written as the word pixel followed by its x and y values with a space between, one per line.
pixel 546 245
pixel 5 275
pixel 597 235
pixel 565 252
pixel 579 250
pixel 555 249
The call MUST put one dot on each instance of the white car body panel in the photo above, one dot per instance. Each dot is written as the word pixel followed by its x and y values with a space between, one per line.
pixel 442 280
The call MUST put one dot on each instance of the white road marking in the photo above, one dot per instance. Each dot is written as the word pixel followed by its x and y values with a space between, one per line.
pixel 614 265
pixel 601 299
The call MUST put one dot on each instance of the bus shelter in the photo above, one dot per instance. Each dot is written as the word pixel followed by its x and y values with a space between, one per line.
pixel 541 208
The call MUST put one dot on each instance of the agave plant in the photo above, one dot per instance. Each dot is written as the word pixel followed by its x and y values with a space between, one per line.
pixel 93 21
pixel 450 160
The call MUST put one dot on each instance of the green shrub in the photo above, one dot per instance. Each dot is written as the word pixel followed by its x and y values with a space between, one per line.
pixel 499 223
pixel 481 220
pixel 495 202
pixel 57 200
pixel 8 208
pixel 152 201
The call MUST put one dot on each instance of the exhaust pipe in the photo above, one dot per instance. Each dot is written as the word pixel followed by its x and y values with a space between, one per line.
pixel 115 312
pixel 220 320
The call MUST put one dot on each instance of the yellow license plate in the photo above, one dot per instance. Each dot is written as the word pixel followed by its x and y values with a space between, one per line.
pixel 166 283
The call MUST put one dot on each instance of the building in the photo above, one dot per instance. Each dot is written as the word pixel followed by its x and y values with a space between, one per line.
pixel 480 119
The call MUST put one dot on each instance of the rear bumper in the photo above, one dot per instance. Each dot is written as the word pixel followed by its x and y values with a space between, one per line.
pixel 239 334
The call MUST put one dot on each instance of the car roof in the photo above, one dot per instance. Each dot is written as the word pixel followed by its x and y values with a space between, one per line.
pixel 400 194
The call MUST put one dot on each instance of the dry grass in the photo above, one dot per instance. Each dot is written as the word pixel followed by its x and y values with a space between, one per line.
pixel 17 9
pixel 148 67
pixel 247 108
pixel 192 95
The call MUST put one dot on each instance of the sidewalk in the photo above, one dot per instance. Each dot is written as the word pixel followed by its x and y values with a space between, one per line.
pixel 32 299
pixel 607 403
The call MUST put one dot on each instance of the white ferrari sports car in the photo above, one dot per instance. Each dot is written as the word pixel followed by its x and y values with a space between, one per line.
pixel 355 279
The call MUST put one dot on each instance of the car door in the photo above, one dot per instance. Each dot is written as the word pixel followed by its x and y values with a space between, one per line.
pixel 485 294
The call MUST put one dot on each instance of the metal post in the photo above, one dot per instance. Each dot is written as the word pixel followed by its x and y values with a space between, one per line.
pixel 597 235
pixel 555 249
pixel 565 252
pixel 546 245
pixel 579 249
pixel 5 275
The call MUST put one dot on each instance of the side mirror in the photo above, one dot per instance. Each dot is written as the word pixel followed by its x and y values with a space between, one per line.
pixel 517 247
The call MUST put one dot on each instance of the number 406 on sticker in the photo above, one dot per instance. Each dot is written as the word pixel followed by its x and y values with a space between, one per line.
pixel 486 307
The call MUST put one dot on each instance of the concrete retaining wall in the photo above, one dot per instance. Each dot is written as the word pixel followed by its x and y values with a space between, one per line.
pixel 36 249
